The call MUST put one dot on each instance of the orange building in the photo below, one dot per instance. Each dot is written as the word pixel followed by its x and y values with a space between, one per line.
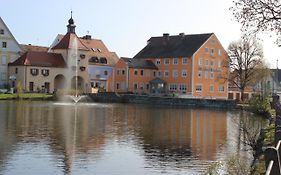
pixel 185 65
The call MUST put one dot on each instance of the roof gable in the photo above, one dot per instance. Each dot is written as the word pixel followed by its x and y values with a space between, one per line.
pixel 173 46
pixel 67 42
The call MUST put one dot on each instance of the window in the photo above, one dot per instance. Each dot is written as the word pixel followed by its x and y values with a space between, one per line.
pixel 167 61
pixel 159 74
pixel 147 86
pixel 184 60
pixel 1 31
pixel 31 86
pixel 183 73
pixel 198 88
pixel 141 86
pixel 200 74
pixel 212 63
pixel 175 73
pixel 34 72
pixel 105 72
pixel 211 74
pixel 16 70
pixel 82 56
pixel 166 73
pixel 200 61
pixel 206 62
pixel 117 86
pixel 93 60
pixel 154 73
pixel 206 74
pixel 158 61
pixel 219 63
pixel 118 72
pixel 3 76
pixel 135 86
pixel 99 50
pixel 173 87
pixel 123 72
pixel 212 88
pixel 4 44
pixel 123 85
pixel 219 52
pixel 182 87
pixel 45 72
pixel 136 72
pixel 103 60
pixel 94 50
pixel 221 88
pixel 175 61
pixel 212 51
pixel 206 50
pixel 141 72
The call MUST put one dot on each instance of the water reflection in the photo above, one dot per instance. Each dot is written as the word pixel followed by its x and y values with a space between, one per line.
pixel 110 138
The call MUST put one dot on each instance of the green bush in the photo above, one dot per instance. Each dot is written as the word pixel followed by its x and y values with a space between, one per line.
pixel 259 104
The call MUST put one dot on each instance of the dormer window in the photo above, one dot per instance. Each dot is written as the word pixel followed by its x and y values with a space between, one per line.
pixel 94 50
pixel 34 72
pixel 2 32
pixel 94 60
pixel 45 72
pixel 99 50
pixel 103 60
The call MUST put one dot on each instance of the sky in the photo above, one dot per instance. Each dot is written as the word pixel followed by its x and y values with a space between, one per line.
pixel 126 25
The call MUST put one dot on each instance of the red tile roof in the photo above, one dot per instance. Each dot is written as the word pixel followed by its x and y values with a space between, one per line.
pixel 67 42
pixel 41 59
pixel 30 47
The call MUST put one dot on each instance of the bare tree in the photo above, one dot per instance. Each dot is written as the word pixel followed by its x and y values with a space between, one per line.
pixel 245 58
pixel 258 15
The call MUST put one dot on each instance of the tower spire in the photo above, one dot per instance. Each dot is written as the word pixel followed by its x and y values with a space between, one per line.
pixel 71 26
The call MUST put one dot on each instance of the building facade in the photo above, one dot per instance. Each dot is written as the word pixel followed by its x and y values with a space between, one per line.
pixel 184 65
pixel 70 62
pixel 10 50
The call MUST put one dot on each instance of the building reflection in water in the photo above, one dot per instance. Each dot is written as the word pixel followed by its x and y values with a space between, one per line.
pixel 80 134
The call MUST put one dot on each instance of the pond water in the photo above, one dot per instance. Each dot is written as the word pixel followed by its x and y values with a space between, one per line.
pixel 115 139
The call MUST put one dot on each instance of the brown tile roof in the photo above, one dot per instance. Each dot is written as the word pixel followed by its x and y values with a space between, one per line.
pixel 67 42
pixel 30 47
pixel 41 59
pixel 139 63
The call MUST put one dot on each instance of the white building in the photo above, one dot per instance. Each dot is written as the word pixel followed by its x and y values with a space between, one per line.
pixel 10 50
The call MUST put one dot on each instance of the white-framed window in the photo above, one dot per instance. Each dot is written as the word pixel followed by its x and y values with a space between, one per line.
pixel 117 86
pixel 175 61
pixel 212 63
pixel 173 87
pixel 182 87
pixel 212 74
pixel 4 60
pixel 207 62
pixel 184 60
pixel 219 63
pixel 212 88
pixel 2 32
pixel 4 44
pixel 166 73
pixel 166 61
pixel 219 52
pixel 200 74
pixel 175 73
pixel 123 72
pixel 198 88
pixel 142 72
pixel 184 73
pixel 206 74
pixel 118 72
pixel 135 72
pixel 206 49
pixel 221 88
pixel 158 62
pixel 212 51
pixel 200 61
pixel 135 86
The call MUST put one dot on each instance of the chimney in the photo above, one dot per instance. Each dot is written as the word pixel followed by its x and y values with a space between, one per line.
pixel 182 35
pixel 166 36
pixel 87 37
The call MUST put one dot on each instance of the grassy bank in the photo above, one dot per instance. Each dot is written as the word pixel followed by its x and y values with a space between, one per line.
pixel 25 96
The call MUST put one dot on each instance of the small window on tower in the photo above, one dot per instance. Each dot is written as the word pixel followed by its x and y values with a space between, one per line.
pixel 1 31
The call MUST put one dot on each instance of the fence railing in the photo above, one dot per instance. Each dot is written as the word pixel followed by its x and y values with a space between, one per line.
pixel 272 154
